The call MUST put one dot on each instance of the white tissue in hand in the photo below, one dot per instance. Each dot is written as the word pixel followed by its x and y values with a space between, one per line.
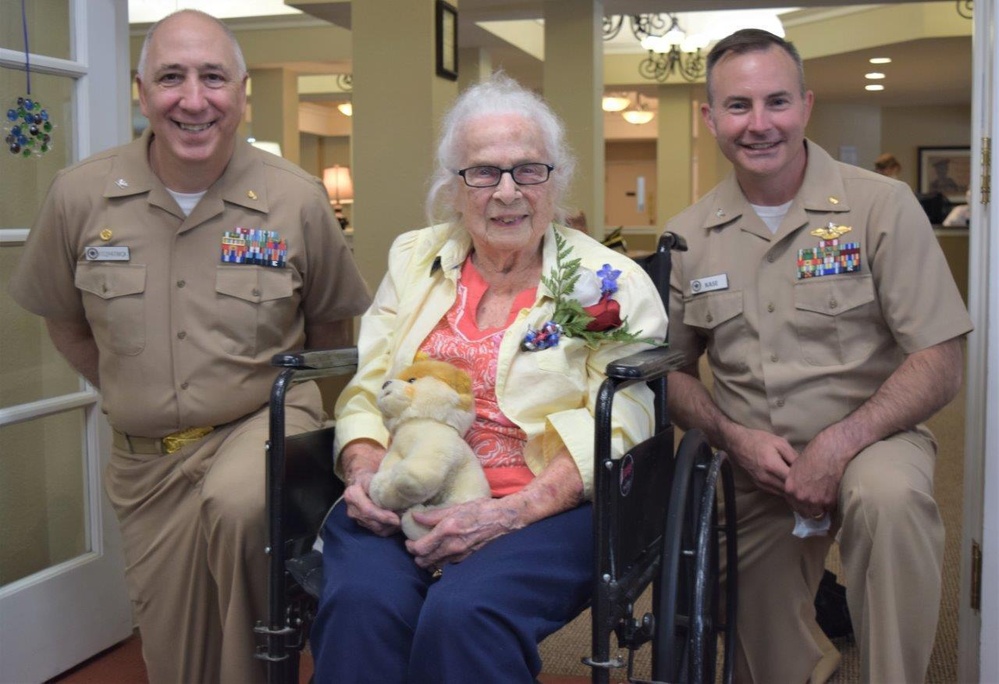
pixel 810 527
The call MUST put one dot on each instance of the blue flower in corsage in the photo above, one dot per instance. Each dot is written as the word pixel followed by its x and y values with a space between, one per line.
pixel 584 306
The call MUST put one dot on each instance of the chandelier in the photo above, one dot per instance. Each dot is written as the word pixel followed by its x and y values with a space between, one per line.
pixel 671 50
pixel 964 7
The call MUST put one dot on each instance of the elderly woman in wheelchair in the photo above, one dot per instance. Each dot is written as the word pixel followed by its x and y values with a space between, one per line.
pixel 533 312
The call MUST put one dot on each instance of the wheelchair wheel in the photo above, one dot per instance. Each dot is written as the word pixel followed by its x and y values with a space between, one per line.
pixel 689 588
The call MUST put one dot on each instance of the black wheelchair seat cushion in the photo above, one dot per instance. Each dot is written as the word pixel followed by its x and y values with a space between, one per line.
pixel 307 570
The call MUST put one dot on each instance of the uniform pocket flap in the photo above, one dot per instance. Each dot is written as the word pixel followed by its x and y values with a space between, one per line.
pixel 254 284
pixel 711 310
pixel 109 281
pixel 833 297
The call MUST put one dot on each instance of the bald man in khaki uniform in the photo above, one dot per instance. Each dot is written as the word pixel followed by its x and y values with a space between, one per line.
pixel 170 271
pixel 832 329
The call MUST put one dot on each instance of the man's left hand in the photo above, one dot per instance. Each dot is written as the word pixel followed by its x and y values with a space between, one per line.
pixel 812 484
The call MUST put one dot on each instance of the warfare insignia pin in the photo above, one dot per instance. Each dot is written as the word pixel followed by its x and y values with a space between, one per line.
pixel 831 232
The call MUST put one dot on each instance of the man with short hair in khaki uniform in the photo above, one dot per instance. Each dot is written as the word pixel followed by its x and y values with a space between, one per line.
pixel 169 271
pixel 832 329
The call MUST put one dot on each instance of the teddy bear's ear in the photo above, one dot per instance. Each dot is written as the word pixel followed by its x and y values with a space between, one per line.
pixel 421 356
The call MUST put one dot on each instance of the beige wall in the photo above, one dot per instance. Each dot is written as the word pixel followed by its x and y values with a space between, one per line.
pixel 834 126
pixel 310 153
pixel 905 129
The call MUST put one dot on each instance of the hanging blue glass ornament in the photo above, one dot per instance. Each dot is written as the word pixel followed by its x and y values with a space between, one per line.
pixel 28 128
pixel 27 115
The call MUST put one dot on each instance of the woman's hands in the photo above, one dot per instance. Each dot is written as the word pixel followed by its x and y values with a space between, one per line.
pixel 359 461
pixel 460 530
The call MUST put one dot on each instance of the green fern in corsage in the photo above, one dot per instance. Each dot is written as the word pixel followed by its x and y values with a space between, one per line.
pixel 584 305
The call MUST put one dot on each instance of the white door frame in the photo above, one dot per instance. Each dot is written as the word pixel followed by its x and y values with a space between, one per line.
pixel 978 633
pixel 56 618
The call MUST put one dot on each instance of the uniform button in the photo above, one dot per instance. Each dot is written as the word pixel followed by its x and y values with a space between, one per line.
pixel 770 258
pixel 183 385
pixel 181 283
pixel 773 358
pixel 771 307
pixel 780 403
pixel 833 303
pixel 181 335
pixel 256 292
pixel 709 318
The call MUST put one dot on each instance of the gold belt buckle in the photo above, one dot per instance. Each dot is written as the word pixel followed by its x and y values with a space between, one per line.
pixel 178 440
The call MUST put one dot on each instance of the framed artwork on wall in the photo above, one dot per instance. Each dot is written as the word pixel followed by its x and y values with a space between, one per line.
pixel 446 20
pixel 945 170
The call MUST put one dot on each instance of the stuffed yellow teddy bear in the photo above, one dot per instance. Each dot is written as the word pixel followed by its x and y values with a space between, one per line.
pixel 428 409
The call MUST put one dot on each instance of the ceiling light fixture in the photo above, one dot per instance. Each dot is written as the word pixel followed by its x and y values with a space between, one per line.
pixel 880 60
pixel 874 76
pixel 965 8
pixel 638 115
pixel 671 49
pixel 345 83
pixel 615 103
pixel 874 86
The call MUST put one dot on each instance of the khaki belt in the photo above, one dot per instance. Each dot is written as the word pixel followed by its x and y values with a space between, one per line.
pixel 170 444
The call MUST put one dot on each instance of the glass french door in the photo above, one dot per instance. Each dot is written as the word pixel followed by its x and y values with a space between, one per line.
pixel 62 592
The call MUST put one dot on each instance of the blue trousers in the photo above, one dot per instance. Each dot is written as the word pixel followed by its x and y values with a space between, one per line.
pixel 384 620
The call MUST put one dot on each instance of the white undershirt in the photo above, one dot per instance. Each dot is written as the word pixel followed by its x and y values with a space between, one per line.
pixel 772 216
pixel 187 200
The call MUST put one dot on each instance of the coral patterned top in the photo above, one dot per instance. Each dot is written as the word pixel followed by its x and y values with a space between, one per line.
pixel 457 339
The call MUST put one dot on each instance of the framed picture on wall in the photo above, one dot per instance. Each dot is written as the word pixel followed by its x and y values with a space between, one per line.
pixel 946 170
pixel 446 20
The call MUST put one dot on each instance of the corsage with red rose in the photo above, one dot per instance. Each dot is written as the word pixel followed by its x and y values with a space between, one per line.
pixel 584 305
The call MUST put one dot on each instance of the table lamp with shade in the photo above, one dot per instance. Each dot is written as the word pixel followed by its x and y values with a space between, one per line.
pixel 340 190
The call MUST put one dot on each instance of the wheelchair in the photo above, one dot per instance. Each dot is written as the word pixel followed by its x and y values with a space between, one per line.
pixel 656 523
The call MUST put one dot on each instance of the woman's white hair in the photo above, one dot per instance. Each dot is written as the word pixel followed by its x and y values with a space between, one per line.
pixel 500 94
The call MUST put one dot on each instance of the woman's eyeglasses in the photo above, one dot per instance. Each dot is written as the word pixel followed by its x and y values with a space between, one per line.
pixel 490 176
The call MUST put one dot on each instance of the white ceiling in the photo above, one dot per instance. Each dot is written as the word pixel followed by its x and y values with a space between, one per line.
pixel 148 11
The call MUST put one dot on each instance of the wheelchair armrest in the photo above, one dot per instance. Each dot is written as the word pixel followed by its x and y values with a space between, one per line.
pixel 333 361
pixel 645 365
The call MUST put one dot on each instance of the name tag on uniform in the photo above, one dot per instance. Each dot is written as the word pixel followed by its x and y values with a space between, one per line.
pixel 106 253
pixel 709 284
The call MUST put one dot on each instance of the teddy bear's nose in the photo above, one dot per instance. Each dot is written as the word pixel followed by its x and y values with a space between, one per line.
pixel 386 384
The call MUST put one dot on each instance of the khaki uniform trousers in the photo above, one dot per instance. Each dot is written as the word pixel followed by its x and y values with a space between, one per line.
pixel 891 542
pixel 195 532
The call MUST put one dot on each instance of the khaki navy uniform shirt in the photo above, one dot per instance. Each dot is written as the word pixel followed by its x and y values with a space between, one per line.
pixel 789 354
pixel 549 394
pixel 185 340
